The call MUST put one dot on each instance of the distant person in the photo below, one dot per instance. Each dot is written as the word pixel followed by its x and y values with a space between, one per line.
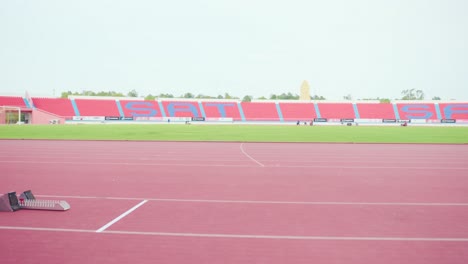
pixel 298 122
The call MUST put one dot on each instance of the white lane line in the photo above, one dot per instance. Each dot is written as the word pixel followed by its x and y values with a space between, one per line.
pixel 373 167
pixel 24 228
pixel 331 167
pixel 258 201
pixel 120 216
pixel 248 156
pixel 125 163
pixel 447 239
pixel 243 236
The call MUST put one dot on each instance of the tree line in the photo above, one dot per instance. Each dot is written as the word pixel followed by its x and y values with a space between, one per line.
pixel 134 93
pixel 408 94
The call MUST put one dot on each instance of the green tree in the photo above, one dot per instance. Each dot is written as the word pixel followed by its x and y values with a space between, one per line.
pixel 166 95
pixel 188 95
pixel 288 96
pixel 228 96
pixel 91 93
pixel 382 100
pixel 436 98
pixel 202 96
pixel 247 98
pixel 132 93
pixel 317 97
pixel 65 94
pixel 150 97
pixel 110 93
pixel 412 94
pixel 88 93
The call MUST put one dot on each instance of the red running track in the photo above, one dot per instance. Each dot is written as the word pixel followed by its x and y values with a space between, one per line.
pixel 203 202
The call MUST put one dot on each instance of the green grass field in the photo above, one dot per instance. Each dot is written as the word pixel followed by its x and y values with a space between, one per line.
pixel 244 133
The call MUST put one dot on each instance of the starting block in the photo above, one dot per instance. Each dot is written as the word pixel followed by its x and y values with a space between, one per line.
pixel 27 195
pixel 9 203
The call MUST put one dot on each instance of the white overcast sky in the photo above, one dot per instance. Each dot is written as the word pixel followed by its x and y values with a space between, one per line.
pixel 366 48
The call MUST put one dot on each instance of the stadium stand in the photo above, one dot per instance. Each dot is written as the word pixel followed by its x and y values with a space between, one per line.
pixel 416 111
pixel 58 106
pixel 376 110
pixel 336 110
pixel 454 110
pixel 140 108
pixel 255 111
pixel 90 107
pixel 221 110
pixel 12 101
pixel 182 108
pixel 241 111
pixel 298 111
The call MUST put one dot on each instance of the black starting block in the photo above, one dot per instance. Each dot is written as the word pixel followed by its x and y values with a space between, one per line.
pixel 9 203
pixel 28 195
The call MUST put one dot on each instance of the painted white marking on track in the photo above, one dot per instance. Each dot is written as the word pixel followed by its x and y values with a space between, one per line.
pixel 248 156
pixel 24 228
pixel 244 236
pixel 448 239
pixel 239 166
pixel 120 216
pixel 153 164
pixel 260 201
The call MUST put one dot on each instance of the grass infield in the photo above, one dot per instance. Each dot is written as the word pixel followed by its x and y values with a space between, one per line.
pixel 244 133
